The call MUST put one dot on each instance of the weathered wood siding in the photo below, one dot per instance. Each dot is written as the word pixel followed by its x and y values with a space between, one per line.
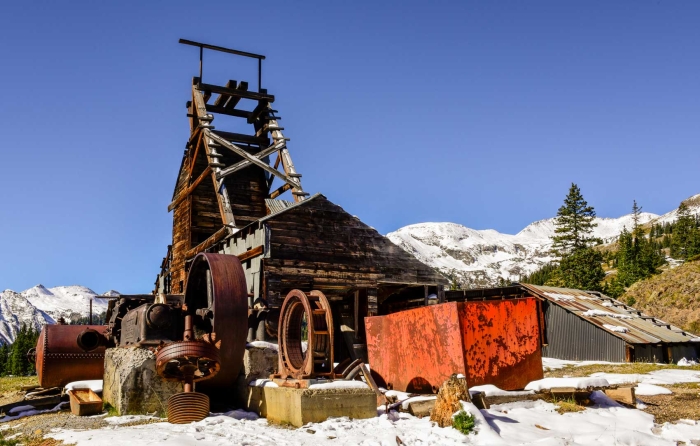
pixel 317 245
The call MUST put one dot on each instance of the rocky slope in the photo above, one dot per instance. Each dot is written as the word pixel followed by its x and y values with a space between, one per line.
pixel 484 257
pixel 673 295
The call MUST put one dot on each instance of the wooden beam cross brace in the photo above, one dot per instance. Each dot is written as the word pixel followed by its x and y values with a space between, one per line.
pixel 245 163
pixel 253 159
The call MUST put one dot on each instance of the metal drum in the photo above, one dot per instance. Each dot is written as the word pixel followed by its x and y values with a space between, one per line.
pixel 59 358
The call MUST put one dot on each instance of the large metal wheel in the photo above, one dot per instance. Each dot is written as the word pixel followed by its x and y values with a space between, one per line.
pixel 175 360
pixel 318 358
pixel 187 407
pixel 217 297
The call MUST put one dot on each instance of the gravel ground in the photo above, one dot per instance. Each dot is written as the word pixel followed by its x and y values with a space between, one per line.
pixel 684 403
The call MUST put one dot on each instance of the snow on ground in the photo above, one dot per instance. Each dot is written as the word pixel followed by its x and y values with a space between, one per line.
pixel 556 364
pixel 93 384
pixel 576 383
pixel 519 423
pixel 656 377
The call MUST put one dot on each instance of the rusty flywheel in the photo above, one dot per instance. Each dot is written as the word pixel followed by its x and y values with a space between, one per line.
pixel 216 325
pixel 317 360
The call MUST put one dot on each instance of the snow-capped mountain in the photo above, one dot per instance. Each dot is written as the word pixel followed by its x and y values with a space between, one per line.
pixel 16 310
pixel 40 305
pixel 478 258
pixel 63 301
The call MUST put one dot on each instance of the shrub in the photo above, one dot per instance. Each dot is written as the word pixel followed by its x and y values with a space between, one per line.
pixel 463 422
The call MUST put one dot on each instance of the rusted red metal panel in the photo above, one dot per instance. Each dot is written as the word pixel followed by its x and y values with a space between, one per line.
pixel 59 359
pixel 415 350
pixel 490 342
pixel 502 342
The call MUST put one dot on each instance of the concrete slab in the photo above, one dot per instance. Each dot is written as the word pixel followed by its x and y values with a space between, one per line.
pixel 297 407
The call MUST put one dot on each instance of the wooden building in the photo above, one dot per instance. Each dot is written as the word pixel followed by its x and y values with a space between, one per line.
pixel 227 199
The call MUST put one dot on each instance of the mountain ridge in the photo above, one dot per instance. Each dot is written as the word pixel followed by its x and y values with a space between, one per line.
pixel 486 257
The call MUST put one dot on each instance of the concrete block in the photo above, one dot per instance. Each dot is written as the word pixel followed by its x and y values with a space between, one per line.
pixel 297 407
pixel 131 384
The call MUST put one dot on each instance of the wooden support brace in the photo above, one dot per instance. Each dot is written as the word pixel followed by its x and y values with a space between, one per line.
pixel 237 150
pixel 208 243
pixel 279 191
pixel 257 251
pixel 184 194
pixel 245 163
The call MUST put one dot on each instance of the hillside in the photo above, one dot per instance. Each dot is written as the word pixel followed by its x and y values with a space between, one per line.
pixel 673 295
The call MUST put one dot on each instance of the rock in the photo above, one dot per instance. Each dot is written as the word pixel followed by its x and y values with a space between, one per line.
pixel 258 363
pixel 448 400
pixel 421 409
pixel 131 384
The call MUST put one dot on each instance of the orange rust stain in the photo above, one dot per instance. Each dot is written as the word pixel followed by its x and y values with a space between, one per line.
pixel 502 343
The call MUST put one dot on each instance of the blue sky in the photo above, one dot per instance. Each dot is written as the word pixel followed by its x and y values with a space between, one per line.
pixel 479 113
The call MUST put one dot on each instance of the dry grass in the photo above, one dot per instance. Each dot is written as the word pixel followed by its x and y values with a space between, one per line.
pixel 568 405
pixel 673 296
pixel 635 367
pixel 10 383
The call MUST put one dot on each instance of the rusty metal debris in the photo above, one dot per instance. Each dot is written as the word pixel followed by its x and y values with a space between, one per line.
pixel 317 360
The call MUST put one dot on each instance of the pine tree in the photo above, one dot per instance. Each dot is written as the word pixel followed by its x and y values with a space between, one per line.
pixel 574 224
pixel 580 266
pixel 685 241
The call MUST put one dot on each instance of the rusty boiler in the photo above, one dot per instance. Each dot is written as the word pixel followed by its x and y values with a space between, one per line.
pixel 67 353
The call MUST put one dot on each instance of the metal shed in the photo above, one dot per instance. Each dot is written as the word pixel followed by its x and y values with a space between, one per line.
pixel 588 325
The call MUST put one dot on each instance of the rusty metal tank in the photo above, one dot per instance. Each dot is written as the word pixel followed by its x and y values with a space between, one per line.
pixel 60 359
pixel 490 342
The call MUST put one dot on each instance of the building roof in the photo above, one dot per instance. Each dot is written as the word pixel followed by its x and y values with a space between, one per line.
pixel 613 316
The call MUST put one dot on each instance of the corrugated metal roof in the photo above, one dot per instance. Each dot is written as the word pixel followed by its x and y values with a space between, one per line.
pixel 613 316
pixel 275 206
pixel 278 206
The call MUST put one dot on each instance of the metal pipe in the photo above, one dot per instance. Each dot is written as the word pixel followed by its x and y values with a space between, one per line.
pixel 189 333
pixel 222 49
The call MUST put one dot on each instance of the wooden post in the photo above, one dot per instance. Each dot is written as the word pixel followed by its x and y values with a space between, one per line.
pixel 425 295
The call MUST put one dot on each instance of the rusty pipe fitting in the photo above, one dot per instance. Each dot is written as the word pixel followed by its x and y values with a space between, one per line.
pixel 90 339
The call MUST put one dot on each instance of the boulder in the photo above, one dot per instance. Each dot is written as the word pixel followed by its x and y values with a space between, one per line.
pixel 131 384
pixel 258 363
pixel 448 400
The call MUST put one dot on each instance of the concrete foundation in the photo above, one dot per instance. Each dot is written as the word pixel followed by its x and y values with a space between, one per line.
pixel 296 407
pixel 131 384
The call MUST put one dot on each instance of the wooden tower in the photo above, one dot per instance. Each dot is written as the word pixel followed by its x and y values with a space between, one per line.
pixel 244 169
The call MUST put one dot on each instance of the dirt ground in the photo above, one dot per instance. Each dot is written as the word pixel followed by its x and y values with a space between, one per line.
pixel 684 403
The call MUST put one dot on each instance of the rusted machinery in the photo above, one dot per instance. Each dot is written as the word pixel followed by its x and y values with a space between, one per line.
pixel 314 309
pixel 213 314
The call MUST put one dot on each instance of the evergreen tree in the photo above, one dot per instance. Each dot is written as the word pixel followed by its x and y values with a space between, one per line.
pixel 637 257
pixel 541 276
pixel 685 241
pixel 4 354
pixel 574 224
pixel 579 264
